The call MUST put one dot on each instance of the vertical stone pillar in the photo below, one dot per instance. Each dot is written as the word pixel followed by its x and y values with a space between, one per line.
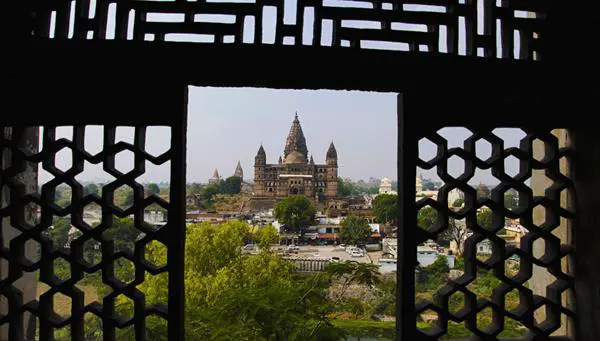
pixel 541 278
pixel 27 284
pixel 586 175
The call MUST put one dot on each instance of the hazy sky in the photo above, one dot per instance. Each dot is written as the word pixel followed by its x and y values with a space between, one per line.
pixel 229 124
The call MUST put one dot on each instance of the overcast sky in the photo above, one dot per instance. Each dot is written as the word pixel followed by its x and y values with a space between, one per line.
pixel 227 125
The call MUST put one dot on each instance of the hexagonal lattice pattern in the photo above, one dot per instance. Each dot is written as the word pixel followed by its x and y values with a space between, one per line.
pixel 418 26
pixel 103 237
pixel 509 233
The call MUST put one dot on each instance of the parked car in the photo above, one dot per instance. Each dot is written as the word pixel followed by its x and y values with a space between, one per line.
pixel 356 253
pixel 293 247
pixel 249 247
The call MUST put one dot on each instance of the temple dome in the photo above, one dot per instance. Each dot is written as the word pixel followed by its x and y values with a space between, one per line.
pixel 295 157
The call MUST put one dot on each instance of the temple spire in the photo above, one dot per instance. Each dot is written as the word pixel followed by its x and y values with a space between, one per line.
pixel 295 140
pixel 239 172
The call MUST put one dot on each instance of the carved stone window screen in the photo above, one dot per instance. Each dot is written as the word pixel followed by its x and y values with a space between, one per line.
pixel 484 28
pixel 30 213
pixel 538 294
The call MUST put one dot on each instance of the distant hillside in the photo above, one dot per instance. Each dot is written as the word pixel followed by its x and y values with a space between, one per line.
pixel 231 202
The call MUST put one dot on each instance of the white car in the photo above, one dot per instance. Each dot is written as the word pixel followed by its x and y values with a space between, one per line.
pixel 353 249
pixel 356 254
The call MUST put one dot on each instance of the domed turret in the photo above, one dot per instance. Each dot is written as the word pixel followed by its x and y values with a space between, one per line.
pixel 295 157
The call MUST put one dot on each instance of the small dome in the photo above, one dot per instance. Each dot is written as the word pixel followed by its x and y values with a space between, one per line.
pixel 295 157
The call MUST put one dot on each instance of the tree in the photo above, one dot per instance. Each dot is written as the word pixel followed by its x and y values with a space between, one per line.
pixel 511 201
pixel 128 199
pixel 210 191
pixel 458 202
pixel 355 230
pixel 236 296
pixel 385 208
pixel 428 185
pixel 122 233
pixel 433 276
pixel 231 185
pixel 59 233
pixel 266 236
pixel 91 188
pixel 345 187
pixel 152 188
pixel 296 212
pixel 484 219
pixel 427 217
pixel 455 233
pixel 193 189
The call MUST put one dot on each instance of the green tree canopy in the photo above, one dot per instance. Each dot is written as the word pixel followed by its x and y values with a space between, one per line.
pixel 91 188
pixel 194 188
pixel 345 187
pixel 355 230
pixel 152 188
pixel 235 296
pixel 210 191
pixel 427 217
pixel 428 185
pixel 385 207
pixel 59 233
pixel 484 219
pixel 295 212
pixel 458 202
pixel 122 233
pixel 266 236
pixel 511 201
pixel 231 185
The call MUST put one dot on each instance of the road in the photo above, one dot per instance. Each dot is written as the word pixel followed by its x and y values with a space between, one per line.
pixel 330 251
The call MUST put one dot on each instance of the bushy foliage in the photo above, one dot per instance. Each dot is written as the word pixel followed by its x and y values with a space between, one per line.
pixel 355 230
pixel 232 295
pixel 385 208
pixel 295 212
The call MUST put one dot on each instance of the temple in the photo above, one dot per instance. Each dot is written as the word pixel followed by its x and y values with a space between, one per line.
pixel 296 173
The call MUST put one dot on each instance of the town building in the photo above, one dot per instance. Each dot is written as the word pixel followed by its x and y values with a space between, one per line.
pixel 296 173
pixel 386 187
pixel 215 179
pixel 239 172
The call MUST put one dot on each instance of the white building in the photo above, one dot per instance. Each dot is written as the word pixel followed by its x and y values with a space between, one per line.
pixel 385 187
pixel 454 195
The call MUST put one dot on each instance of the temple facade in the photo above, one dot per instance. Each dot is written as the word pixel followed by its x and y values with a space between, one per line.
pixel 296 173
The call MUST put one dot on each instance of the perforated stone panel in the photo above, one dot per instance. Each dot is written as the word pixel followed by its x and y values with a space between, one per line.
pixel 488 28
pixel 31 213
pixel 530 292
